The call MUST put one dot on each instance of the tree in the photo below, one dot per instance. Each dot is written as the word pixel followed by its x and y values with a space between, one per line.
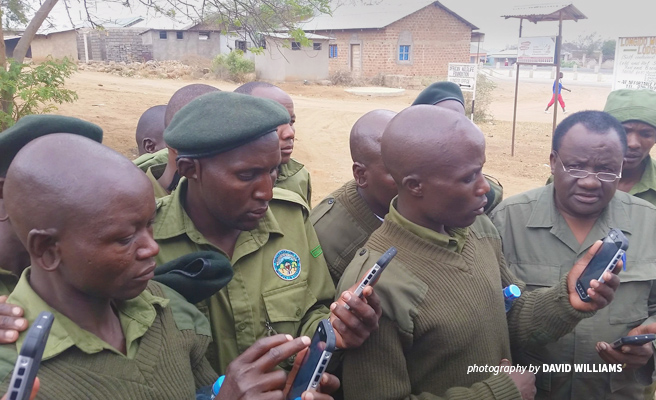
pixel 608 49
pixel 586 44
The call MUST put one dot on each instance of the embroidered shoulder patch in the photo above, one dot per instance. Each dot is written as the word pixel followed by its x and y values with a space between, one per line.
pixel 287 265
pixel 317 251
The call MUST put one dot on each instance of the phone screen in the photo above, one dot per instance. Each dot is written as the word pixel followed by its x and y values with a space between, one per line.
pixel 312 358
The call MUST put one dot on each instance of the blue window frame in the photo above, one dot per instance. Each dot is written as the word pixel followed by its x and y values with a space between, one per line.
pixel 333 51
pixel 404 53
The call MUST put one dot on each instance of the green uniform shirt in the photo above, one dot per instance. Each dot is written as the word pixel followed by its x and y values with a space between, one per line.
pixel 646 187
pixel 540 249
pixel 295 177
pixel 147 160
pixel 7 282
pixel 153 173
pixel 281 283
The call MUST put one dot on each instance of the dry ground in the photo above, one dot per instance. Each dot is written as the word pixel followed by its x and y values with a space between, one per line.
pixel 325 116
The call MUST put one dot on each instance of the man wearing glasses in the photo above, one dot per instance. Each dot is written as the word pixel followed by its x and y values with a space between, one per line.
pixel 546 229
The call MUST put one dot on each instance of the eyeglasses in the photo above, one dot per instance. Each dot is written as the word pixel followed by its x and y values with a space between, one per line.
pixel 581 173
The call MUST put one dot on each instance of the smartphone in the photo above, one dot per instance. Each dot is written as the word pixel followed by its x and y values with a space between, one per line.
pixel 637 340
pixel 315 361
pixel 29 358
pixel 375 271
pixel 612 249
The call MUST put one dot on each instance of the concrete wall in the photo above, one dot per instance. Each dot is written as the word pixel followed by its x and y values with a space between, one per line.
pixel 113 44
pixel 279 63
pixel 57 45
pixel 435 37
pixel 172 48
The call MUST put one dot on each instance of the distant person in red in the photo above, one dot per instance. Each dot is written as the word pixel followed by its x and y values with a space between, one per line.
pixel 560 97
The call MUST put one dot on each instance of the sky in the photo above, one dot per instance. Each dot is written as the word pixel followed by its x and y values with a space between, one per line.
pixel 610 19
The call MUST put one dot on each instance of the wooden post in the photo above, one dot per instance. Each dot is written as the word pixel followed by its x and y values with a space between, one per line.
pixel 559 42
pixel 512 147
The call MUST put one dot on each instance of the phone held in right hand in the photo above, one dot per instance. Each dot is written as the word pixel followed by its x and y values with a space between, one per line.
pixel 315 361
pixel 612 248
pixel 29 358
pixel 637 340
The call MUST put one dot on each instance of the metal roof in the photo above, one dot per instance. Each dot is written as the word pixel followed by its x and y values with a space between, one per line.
pixel 375 14
pixel 546 12
pixel 283 35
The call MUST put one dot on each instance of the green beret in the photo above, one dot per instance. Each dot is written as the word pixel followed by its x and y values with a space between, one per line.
pixel 221 121
pixel 438 92
pixel 31 127
pixel 632 105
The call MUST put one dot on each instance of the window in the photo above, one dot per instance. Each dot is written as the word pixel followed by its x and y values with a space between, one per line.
pixel 240 45
pixel 333 51
pixel 404 53
pixel 179 35
pixel 296 46
pixel 316 46
pixel 203 36
pixel 162 35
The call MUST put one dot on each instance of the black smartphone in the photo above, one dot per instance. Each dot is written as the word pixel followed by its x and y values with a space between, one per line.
pixel 612 248
pixel 315 361
pixel 29 358
pixel 637 340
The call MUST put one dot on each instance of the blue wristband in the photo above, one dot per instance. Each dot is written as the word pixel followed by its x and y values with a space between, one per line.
pixel 217 385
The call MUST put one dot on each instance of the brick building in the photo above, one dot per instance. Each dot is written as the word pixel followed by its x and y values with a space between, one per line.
pixel 394 37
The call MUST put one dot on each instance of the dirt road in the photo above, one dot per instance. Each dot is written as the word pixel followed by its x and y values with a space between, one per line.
pixel 325 116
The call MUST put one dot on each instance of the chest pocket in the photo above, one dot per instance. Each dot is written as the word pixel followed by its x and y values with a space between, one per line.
pixel 286 306
pixel 536 275
pixel 630 303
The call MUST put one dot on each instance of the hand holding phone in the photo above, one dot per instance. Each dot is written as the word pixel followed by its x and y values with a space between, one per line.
pixel 374 273
pixel 29 358
pixel 315 361
pixel 635 340
pixel 611 251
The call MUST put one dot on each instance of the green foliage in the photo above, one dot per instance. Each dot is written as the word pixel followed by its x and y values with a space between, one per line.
pixel 233 66
pixel 569 64
pixel 484 90
pixel 34 89
pixel 608 49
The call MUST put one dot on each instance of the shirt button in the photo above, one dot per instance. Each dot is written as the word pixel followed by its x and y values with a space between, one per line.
pixel 363 251
pixel 298 312
pixel 331 201
pixel 241 326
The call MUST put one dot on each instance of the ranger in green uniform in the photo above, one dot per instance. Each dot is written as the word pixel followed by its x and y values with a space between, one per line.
pixel 292 175
pixel 636 110
pixel 444 328
pixel 226 203
pixel 448 95
pixel 546 229
pixel 347 217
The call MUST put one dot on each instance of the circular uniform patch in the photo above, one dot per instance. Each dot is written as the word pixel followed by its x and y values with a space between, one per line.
pixel 287 265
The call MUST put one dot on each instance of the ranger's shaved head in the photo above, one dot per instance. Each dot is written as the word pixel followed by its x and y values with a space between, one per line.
pixel 150 130
pixel 427 138
pixel 63 179
pixel 184 96
pixel 436 158
pixel 366 135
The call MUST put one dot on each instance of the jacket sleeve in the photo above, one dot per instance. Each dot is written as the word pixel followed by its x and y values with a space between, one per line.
pixel 378 370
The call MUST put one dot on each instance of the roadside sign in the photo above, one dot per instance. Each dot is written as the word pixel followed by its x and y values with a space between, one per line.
pixel 635 63
pixel 464 75
pixel 537 50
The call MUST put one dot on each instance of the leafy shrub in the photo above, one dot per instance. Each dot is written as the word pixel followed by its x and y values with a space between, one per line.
pixel 233 66
pixel 484 88
pixel 33 89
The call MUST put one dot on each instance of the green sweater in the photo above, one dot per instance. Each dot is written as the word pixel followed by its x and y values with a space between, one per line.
pixel 443 311
pixel 168 363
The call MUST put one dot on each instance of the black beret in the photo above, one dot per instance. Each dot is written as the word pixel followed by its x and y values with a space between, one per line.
pixel 221 121
pixel 31 127
pixel 440 91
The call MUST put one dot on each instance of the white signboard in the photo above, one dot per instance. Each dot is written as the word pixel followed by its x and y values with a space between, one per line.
pixel 537 50
pixel 635 63
pixel 464 75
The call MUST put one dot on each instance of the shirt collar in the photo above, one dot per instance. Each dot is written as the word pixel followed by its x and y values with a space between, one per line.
pixel 136 316
pixel 289 169
pixel 647 180
pixel 455 241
